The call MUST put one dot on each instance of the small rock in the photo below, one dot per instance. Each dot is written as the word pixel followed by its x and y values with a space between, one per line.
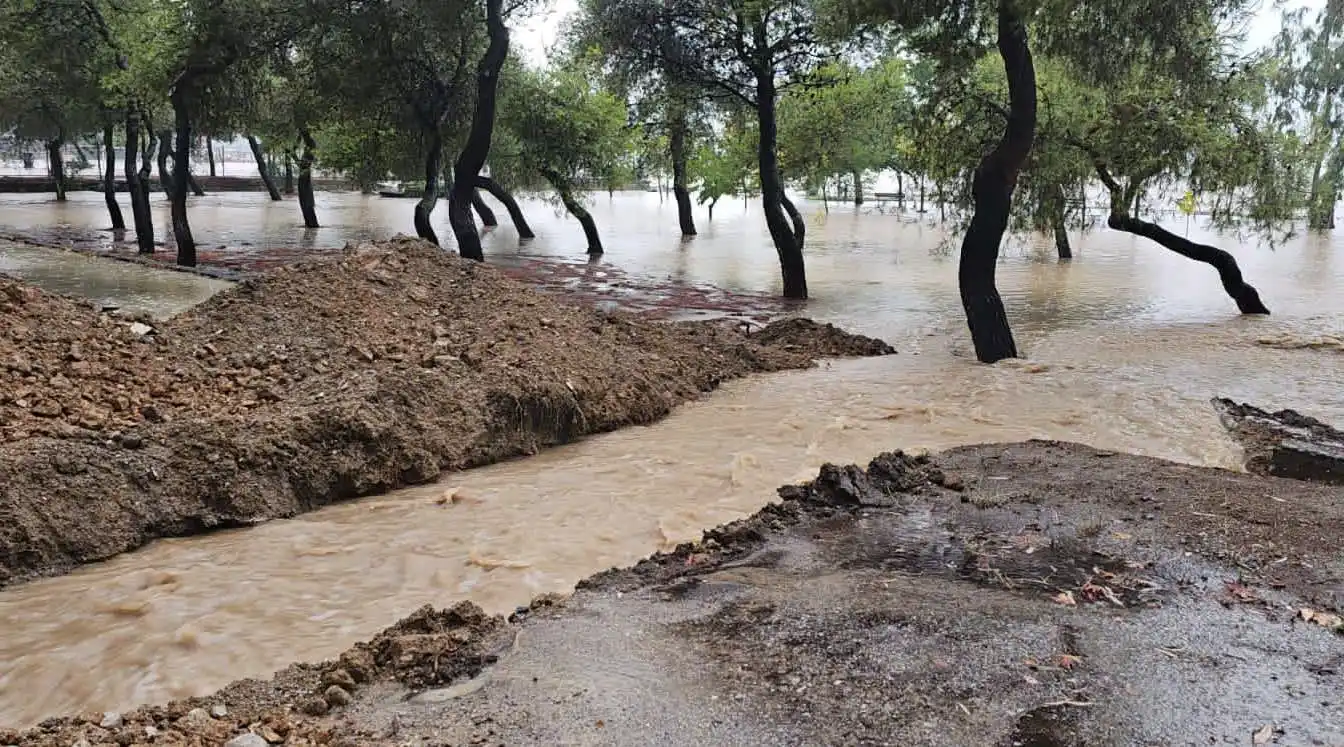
pixel 81 742
pixel 151 732
pixel 110 720
pixel 197 717
pixel 140 329
pixel 314 706
pixel 337 696
pixel 339 677
pixel 246 740
pixel 268 734
pixel 219 710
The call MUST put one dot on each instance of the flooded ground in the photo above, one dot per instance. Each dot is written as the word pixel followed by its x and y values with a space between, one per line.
pixel 1124 347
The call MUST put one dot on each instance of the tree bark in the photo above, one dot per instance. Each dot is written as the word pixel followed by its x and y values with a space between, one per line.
pixel 425 207
pixel 110 180
pixel 165 150
pixel 57 165
pixel 261 168
pixel 680 157
pixel 476 149
pixel 210 153
pixel 289 174
pixel 136 187
pixel 576 209
pixel 186 244
pixel 195 185
pixel 992 191
pixel 1058 216
pixel 1245 296
pixel 788 244
pixel 511 205
pixel 307 202
pixel 488 218
pixel 858 189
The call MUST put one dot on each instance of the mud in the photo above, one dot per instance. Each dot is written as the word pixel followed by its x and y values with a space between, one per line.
pixel 1040 593
pixel 317 382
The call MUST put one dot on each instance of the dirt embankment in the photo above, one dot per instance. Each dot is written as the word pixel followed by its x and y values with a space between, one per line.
pixel 321 382
pixel 1007 594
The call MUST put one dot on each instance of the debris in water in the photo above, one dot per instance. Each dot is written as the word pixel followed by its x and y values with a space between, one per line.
pixel 491 564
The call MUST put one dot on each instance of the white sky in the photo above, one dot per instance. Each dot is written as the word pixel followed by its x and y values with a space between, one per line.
pixel 540 32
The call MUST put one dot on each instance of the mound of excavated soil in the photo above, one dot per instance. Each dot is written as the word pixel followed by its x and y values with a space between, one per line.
pixel 320 382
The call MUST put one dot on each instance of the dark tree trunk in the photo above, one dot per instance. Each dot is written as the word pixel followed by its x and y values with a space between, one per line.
pixel 858 189
pixel 510 204
pixel 576 209
pixel 1246 297
pixel 165 151
pixel 57 165
pixel 307 203
pixel 795 217
pixel 210 153
pixel 289 175
pixel 476 149
pixel 137 188
pixel 788 244
pixel 186 244
pixel 261 168
pixel 992 191
pixel 1058 216
pixel 677 146
pixel 425 207
pixel 488 218
pixel 195 185
pixel 110 180
pixel 711 205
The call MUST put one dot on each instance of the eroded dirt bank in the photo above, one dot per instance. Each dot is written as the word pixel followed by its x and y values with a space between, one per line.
pixel 1039 593
pixel 320 382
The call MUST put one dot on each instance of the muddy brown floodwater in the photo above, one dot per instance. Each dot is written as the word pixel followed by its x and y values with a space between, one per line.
pixel 1125 346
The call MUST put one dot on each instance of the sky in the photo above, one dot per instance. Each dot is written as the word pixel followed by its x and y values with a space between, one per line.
pixel 539 33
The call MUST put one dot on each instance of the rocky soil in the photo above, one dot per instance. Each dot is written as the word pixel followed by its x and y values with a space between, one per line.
pixel 319 382
pixel 1039 593
pixel 1285 443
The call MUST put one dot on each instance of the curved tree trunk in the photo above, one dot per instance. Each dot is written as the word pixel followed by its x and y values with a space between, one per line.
pixel 307 202
pixel 136 188
pixel 515 213
pixel 788 244
pixel 677 146
pixel 476 149
pixel 425 207
pixel 576 209
pixel 165 150
pixel 210 153
pixel 57 165
pixel 488 218
pixel 795 217
pixel 110 180
pixel 264 172
pixel 992 191
pixel 1058 217
pixel 186 244
pixel 1246 297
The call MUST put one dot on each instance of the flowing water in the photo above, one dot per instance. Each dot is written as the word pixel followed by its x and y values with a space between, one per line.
pixel 1124 347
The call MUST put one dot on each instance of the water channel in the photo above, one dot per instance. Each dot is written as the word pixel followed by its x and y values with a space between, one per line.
pixel 1124 347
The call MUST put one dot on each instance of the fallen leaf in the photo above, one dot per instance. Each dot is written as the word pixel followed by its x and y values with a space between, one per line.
pixel 1263 735
pixel 1065 598
pixel 1068 661
pixel 1241 592
pixel 1324 619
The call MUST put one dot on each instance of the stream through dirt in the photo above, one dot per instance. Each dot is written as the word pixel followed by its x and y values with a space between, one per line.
pixel 1124 347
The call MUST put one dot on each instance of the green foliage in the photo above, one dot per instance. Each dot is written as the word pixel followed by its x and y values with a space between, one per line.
pixel 726 165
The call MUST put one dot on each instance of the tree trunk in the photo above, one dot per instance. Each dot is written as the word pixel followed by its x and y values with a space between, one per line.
pixel 711 205
pixel 788 245
pixel 57 166
pixel 425 207
pixel 858 189
pixel 186 244
pixel 195 185
pixel 210 153
pixel 165 150
pixel 576 209
pixel 289 174
pixel 677 148
pixel 307 202
pixel 476 149
pixel 264 172
pixel 510 204
pixel 1246 297
pixel 992 191
pixel 488 218
pixel 110 180
pixel 1058 217
pixel 137 188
